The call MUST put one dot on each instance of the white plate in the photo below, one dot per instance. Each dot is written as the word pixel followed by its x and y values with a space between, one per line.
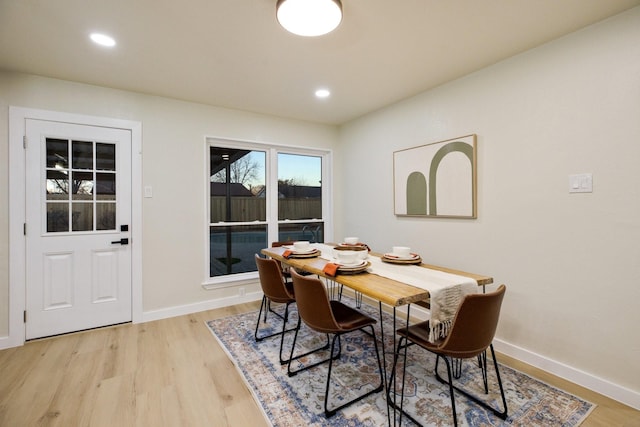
pixel 401 258
pixel 352 245
pixel 295 251
pixel 356 264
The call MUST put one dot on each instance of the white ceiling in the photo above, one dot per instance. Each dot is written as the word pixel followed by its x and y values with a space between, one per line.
pixel 233 53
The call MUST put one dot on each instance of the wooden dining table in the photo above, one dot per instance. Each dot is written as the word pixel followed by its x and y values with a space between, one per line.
pixel 379 288
pixel 387 291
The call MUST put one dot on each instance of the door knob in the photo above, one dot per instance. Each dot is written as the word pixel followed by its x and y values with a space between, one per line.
pixel 123 241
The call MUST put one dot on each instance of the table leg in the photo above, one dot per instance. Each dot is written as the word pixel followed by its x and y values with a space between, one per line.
pixel 387 382
pixel 384 359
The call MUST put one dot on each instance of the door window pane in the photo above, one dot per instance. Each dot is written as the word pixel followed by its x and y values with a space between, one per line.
pixel 106 186
pixel 105 157
pixel 57 153
pixel 57 185
pixel 82 185
pixel 82 155
pixel 105 216
pixel 57 217
pixel 82 216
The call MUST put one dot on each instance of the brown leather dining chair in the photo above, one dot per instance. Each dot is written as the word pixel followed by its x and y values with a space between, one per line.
pixel 284 269
pixel 472 332
pixel 335 318
pixel 276 290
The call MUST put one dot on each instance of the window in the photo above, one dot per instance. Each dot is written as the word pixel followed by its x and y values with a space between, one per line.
pixel 258 194
pixel 80 186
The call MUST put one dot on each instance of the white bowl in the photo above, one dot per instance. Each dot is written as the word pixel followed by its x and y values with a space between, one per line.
pixel 302 245
pixel 351 240
pixel 402 251
pixel 347 257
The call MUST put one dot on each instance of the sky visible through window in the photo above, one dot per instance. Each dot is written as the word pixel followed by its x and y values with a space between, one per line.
pixel 302 170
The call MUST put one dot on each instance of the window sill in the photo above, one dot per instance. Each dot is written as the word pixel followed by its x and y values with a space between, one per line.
pixel 230 282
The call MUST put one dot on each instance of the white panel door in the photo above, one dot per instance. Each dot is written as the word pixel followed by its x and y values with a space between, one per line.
pixel 78 213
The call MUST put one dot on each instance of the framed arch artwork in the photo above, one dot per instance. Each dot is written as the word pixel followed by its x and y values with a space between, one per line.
pixel 436 180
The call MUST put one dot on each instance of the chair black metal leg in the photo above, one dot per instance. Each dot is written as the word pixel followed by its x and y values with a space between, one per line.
pixel 390 401
pixel 482 363
pixel 500 414
pixel 456 365
pixel 284 330
pixel 330 412
pixel 265 303
pixel 503 414
pixel 292 358
pixel 453 399
pixel 285 319
pixel 264 299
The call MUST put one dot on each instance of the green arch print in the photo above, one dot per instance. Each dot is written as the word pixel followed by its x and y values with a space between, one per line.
pixel 417 185
pixel 416 194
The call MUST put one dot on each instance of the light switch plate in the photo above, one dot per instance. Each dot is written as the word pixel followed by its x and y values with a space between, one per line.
pixel 148 191
pixel 581 183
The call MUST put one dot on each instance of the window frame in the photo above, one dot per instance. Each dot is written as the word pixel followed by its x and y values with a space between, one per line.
pixel 271 181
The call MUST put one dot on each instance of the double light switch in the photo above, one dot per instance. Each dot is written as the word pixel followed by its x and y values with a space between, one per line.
pixel 581 183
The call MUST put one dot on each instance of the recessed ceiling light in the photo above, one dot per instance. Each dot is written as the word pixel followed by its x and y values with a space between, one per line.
pixel 103 39
pixel 323 93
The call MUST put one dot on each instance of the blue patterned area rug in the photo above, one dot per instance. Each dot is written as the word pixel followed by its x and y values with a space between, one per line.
pixel 298 401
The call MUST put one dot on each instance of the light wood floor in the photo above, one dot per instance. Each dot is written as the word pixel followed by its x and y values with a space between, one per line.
pixel 165 373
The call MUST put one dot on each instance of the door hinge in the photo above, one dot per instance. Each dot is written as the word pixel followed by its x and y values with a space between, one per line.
pixel 24 228
pixel 25 316
pixel 24 141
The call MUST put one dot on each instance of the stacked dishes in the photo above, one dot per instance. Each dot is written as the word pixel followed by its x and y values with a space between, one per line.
pixel 352 268
pixel 302 249
pixel 350 259
pixel 401 255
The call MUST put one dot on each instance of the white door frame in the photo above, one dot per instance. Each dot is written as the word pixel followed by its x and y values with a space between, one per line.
pixel 17 213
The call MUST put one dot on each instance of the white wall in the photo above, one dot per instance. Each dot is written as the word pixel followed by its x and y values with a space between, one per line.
pixel 173 164
pixel 571 262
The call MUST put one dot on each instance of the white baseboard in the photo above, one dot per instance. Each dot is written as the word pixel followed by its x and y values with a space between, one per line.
pixel 576 376
pixel 181 310
pixel 165 313
pixel 8 342
pixel 599 385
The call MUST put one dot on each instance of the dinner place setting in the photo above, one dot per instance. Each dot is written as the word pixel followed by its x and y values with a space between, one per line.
pixel 401 255
pixel 300 249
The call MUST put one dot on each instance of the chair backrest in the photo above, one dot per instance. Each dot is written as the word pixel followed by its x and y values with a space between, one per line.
pixel 278 244
pixel 271 280
pixel 474 325
pixel 313 303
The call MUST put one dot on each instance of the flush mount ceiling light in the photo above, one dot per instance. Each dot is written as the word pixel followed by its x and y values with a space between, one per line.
pixel 309 17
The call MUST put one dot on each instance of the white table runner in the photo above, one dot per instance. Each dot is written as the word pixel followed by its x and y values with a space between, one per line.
pixel 446 290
